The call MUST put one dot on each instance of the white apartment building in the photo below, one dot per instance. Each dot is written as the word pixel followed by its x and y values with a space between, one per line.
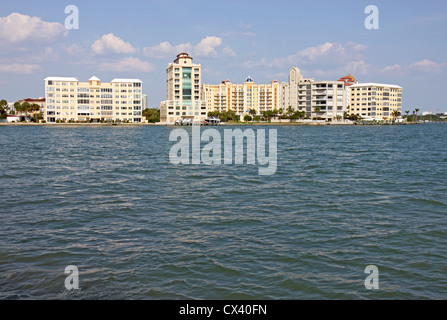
pixel 67 99
pixel 319 99
pixel 183 84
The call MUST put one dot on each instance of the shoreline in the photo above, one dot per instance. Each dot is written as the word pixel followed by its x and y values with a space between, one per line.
pixel 224 124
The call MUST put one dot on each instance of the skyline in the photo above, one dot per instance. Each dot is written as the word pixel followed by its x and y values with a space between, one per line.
pixel 231 40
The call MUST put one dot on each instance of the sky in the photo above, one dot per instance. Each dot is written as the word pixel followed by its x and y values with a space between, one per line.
pixel 231 39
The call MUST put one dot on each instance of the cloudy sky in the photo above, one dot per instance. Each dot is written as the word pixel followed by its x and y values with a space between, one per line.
pixel 230 39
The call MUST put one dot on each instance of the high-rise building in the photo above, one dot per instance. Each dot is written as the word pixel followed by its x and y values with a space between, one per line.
pixel 319 99
pixel 242 98
pixel 67 99
pixel 183 84
pixel 145 101
pixel 290 91
pixel 375 101
pixel 348 81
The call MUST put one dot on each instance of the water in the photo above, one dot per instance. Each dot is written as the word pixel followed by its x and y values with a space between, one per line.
pixel 109 201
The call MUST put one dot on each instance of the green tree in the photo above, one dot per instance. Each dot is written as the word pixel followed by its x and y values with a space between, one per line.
pixel 281 111
pixel 395 114
pixel 152 115
pixel 25 106
pixel 407 112
pixel 36 117
pixel 317 111
pixel 416 110
pixel 214 114
pixel 247 118
pixel 18 106
pixel 289 112
pixel 268 115
pixel 3 109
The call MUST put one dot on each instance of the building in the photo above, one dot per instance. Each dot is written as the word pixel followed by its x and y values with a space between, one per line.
pixel 295 91
pixel 348 80
pixel 67 99
pixel 325 100
pixel 145 102
pixel 242 98
pixel 375 101
pixel 183 85
pixel 328 100
pixel 40 102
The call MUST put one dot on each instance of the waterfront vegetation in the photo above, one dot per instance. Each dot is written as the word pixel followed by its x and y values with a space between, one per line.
pixel 3 109
pixel 265 116
pixel 152 115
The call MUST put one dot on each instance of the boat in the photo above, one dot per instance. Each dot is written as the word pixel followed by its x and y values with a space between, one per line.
pixel 212 121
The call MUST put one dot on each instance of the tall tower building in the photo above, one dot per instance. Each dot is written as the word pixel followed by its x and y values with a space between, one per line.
pixel 183 83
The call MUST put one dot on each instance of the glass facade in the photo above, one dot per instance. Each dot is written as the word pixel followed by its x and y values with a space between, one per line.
pixel 187 86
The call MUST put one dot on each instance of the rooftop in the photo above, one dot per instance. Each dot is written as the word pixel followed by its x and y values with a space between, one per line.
pixel 370 84
pixel 126 80
pixel 67 79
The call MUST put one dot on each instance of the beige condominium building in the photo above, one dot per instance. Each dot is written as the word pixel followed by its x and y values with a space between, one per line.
pixel 183 84
pixel 242 98
pixel 375 101
pixel 67 99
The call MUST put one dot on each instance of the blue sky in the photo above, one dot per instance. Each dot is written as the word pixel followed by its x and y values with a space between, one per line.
pixel 231 39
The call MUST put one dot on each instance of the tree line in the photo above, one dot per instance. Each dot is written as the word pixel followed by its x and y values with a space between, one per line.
pixel 231 116
pixel 24 107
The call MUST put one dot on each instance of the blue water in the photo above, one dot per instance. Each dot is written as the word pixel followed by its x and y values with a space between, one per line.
pixel 109 201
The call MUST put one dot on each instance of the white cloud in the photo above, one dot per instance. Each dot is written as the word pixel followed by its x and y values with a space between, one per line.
pixel 75 50
pixel 110 43
pixel 166 49
pixel 18 68
pixel 17 28
pixel 427 66
pixel 207 47
pixel 392 69
pixel 227 51
pixel 127 64
pixel 334 53
pixel 423 66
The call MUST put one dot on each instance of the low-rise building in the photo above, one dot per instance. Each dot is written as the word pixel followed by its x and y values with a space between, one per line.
pixel 375 101
pixel 67 99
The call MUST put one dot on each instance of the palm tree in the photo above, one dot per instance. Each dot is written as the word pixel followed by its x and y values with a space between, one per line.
pixel 417 110
pixel 281 111
pixel 317 111
pixel 253 112
pixel 395 114
pixel 289 112
pixel 407 112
